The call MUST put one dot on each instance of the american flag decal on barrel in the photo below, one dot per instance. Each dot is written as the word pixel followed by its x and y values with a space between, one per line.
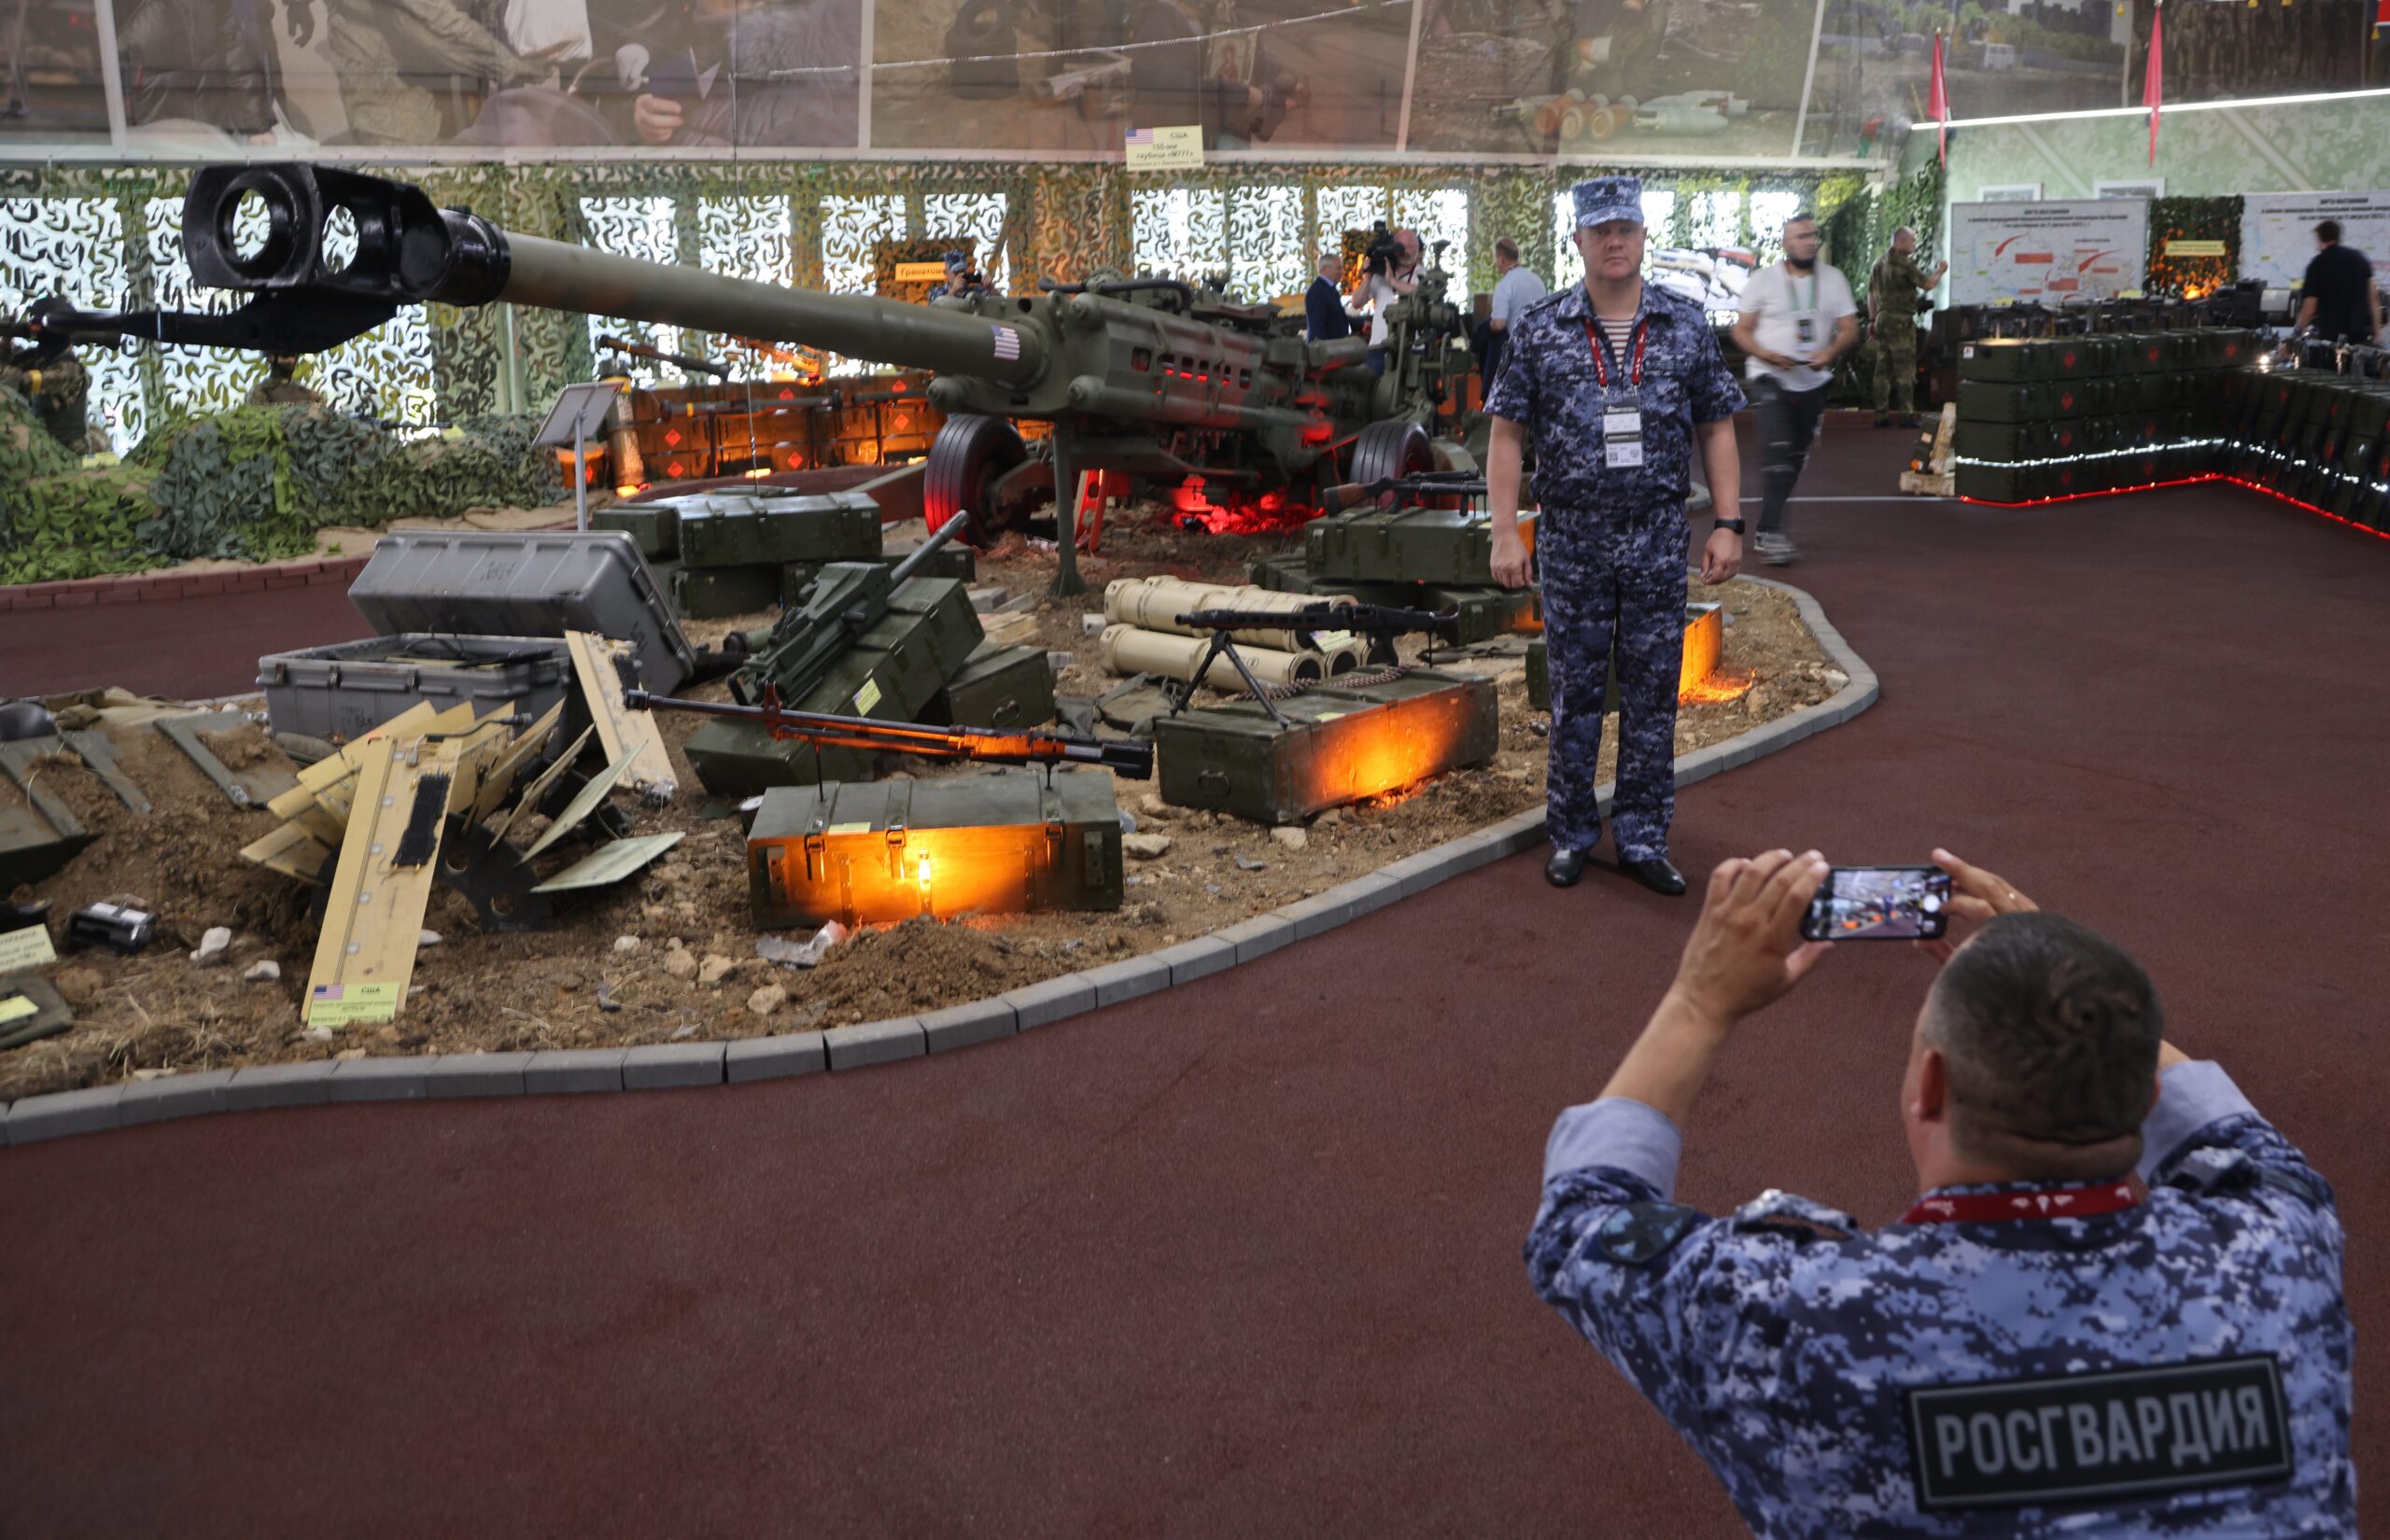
pixel 1007 343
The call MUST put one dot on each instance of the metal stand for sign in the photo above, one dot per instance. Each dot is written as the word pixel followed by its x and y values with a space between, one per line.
pixel 579 416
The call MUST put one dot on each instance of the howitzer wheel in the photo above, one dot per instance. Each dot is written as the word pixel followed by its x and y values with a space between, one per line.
pixel 1391 449
pixel 968 455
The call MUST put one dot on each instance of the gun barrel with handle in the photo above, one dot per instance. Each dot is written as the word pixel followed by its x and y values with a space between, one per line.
pixel 986 743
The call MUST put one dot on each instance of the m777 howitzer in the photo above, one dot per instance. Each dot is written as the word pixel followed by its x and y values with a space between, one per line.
pixel 1137 376
pixel 987 745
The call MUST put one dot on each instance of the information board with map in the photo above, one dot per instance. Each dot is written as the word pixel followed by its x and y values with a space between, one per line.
pixel 2048 253
pixel 2278 229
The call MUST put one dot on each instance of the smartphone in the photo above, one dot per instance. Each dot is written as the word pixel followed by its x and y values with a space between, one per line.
pixel 1879 903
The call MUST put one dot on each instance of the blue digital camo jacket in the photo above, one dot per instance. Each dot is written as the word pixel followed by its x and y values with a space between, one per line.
pixel 2181 1367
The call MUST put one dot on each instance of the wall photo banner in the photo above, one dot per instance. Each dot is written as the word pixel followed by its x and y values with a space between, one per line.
pixel 1581 82
pixel 2278 229
pixel 2048 253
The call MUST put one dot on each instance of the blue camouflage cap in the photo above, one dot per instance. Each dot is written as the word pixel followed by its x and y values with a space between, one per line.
pixel 1602 198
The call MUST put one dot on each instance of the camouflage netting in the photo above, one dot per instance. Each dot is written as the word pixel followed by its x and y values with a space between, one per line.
pixel 253 485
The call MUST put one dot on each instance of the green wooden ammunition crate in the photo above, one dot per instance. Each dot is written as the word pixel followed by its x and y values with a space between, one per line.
pixel 2077 358
pixel 1992 401
pixel 899 664
pixel 1432 545
pixel 712 593
pixel 1483 613
pixel 953 559
pixel 2152 352
pixel 656 528
pixel 2370 414
pixel 875 853
pixel 1340 746
pixel 1285 573
pixel 997 687
pixel 2157 390
pixel 743 531
pixel 2003 358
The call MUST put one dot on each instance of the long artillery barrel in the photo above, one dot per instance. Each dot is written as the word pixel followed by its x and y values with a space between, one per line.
pixel 1067 356
pixel 409 252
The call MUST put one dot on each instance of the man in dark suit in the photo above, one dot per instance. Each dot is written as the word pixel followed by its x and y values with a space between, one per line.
pixel 1324 313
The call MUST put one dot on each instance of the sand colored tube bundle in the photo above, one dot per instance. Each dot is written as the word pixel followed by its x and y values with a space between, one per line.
pixel 1129 650
pixel 1155 604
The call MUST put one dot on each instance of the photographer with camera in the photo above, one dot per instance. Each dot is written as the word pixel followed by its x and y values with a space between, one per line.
pixel 1391 271
pixel 2115 1309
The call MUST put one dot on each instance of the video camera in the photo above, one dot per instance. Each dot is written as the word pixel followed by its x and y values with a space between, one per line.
pixel 1382 251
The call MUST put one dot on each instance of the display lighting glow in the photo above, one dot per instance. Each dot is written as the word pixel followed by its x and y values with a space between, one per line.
pixel 2171 107
pixel 2383 487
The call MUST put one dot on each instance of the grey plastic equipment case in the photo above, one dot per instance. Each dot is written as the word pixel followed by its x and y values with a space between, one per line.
pixel 344 691
pixel 536 583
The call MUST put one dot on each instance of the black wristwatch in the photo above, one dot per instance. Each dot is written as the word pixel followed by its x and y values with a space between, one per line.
pixel 1735 525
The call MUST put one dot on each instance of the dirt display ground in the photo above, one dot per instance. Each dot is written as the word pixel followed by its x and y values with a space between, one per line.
pixel 689 968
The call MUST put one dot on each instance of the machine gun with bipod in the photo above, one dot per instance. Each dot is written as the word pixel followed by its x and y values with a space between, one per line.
pixel 1380 623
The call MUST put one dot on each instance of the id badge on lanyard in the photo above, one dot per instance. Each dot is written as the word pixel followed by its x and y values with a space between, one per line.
pixel 1622 402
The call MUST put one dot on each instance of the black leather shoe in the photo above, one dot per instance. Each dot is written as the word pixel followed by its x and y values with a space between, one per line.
pixel 1658 874
pixel 1565 868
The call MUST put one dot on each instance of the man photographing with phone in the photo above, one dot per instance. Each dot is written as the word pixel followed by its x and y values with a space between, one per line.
pixel 2115 1309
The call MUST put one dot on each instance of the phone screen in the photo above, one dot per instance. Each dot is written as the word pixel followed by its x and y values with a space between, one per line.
pixel 1879 903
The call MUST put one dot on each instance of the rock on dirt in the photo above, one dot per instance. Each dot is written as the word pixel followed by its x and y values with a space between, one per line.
pixel 710 971
pixel 626 943
pixel 212 946
pixel 771 997
pixel 1289 837
pixel 1146 846
pixel 267 971
pixel 681 963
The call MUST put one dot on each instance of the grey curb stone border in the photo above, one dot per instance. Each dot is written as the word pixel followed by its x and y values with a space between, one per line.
pixel 556 1072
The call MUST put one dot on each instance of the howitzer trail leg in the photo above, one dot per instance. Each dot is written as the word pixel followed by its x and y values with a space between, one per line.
pixel 1067 581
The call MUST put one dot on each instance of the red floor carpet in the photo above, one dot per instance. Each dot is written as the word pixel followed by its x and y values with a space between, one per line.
pixel 1243 1258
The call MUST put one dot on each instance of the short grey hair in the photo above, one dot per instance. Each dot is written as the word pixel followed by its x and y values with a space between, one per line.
pixel 1904 230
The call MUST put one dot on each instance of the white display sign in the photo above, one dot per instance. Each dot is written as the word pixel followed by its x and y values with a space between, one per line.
pixel 2048 253
pixel 2277 231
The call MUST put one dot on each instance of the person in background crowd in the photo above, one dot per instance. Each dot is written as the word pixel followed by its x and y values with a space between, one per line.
pixel 1516 289
pixel 1324 316
pixel 2337 296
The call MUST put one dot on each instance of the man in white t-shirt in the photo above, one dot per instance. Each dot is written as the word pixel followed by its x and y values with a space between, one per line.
pixel 1798 317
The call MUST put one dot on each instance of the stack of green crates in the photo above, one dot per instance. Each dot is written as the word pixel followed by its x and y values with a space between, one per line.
pixel 2318 438
pixel 723 553
pixel 2041 418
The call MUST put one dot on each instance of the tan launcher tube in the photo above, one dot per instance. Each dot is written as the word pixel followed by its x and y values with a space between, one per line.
pixel 1156 604
pixel 1128 650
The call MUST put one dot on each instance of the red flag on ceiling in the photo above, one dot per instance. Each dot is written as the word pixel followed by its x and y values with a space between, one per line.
pixel 2152 85
pixel 1938 102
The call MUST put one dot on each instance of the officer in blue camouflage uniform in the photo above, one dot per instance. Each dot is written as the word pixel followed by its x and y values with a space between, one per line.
pixel 2104 1317
pixel 1616 381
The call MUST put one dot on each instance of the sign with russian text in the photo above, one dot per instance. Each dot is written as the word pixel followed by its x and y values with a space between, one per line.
pixel 2048 253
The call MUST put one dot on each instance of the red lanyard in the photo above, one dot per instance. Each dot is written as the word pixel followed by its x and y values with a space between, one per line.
pixel 2037 1203
pixel 1601 349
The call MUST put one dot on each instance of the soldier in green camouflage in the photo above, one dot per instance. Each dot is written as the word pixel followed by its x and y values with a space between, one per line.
pixel 1892 319
pixel 281 386
pixel 52 379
